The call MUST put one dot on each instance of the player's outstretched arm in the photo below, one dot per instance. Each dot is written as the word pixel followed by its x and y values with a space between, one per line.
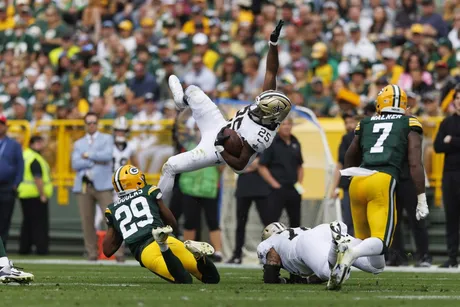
pixel 272 59
pixel 166 215
pixel 354 155
pixel 112 242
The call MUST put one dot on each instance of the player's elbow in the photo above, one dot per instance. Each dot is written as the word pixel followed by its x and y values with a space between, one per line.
pixel 271 274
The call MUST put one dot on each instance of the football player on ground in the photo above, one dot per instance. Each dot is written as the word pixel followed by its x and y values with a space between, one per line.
pixel 141 219
pixel 256 124
pixel 8 273
pixel 306 253
pixel 381 145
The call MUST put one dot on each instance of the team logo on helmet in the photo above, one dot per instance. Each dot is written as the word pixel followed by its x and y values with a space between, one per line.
pixel 134 171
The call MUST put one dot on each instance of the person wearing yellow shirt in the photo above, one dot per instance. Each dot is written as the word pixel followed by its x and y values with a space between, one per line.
pixel 392 70
pixel 6 22
pixel 198 21
pixel 201 47
pixel 67 48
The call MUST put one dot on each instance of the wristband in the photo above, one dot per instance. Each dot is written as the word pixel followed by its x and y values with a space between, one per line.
pixel 421 198
pixel 272 43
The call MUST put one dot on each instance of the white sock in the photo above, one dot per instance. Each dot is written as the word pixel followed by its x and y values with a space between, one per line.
pixel 163 247
pixel 332 256
pixel 369 247
pixel 373 264
pixel 4 261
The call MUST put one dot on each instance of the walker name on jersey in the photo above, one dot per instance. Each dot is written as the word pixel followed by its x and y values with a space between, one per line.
pixel 386 116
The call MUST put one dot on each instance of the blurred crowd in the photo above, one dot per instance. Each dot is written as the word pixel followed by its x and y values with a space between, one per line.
pixel 60 59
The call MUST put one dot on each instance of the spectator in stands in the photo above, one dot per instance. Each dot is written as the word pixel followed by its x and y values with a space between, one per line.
pixel 250 188
pixel 201 191
pixel 359 47
pixel 281 167
pixel 183 65
pixel 142 83
pixel 53 30
pixel 201 47
pixel 95 83
pixel 319 102
pixel 448 142
pixel 343 182
pixel 323 66
pixel 201 76
pixel 34 193
pixel 12 165
pixel 20 110
pixel 92 160
pixel 429 16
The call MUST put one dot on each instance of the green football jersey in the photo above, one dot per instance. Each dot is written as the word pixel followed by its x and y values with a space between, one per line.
pixel 383 141
pixel 134 216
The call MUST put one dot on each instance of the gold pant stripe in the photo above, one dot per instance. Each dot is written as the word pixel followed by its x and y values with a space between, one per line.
pixel 391 214
pixel 152 259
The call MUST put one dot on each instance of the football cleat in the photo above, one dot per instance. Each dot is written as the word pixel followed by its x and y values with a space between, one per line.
pixel 341 270
pixel 161 234
pixel 199 249
pixel 178 92
pixel 336 233
pixel 9 274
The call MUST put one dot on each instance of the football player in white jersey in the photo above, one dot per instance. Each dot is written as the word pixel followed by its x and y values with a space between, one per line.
pixel 308 254
pixel 256 124
pixel 123 150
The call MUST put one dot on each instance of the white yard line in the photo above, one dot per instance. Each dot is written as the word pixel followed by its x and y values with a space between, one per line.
pixel 411 269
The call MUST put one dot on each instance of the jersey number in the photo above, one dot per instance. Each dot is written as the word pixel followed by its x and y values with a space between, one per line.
pixel 292 234
pixel 235 123
pixel 126 213
pixel 263 133
pixel 386 127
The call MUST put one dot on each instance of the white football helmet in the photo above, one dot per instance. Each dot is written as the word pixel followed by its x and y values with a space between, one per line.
pixel 271 229
pixel 121 129
pixel 272 107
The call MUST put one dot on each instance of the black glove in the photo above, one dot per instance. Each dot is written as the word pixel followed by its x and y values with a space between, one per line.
pixel 276 33
pixel 220 140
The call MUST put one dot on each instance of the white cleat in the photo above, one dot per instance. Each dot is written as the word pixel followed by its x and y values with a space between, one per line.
pixel 161 234
pixel 178 92
pixel 341 270
pixel 199 249
pixel 9 274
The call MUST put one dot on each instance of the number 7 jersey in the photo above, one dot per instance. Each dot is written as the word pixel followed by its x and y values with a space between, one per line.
pixel 134 215
pixel 257 136
pixel 383 141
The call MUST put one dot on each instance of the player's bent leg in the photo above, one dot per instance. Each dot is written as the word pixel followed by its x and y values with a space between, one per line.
pixel 205 112
pixel 358 203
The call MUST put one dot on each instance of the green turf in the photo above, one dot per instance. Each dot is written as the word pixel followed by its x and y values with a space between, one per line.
pixel 81 285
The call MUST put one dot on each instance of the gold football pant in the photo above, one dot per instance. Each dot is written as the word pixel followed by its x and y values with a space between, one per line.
pixel 373 206
pixel 153 260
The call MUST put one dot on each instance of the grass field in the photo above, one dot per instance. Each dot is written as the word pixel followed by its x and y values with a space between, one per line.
pixel 98 285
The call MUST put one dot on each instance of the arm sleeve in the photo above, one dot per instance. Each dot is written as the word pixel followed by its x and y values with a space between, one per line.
pixel 19 165
pixel 36 169
pixel 104 155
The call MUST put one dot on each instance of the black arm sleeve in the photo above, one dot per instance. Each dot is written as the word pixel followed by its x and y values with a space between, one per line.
pixel 272 274
pixel 36 169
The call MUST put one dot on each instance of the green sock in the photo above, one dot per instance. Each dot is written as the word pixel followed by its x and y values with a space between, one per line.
pixel 209 273
pixel 175 268
pixel 2 249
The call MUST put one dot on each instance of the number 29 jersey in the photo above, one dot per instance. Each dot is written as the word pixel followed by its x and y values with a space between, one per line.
pixel 257 136
pixel 383 141
pixel 134 215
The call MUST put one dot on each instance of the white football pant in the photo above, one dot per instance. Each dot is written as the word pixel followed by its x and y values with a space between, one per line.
pixel 209 120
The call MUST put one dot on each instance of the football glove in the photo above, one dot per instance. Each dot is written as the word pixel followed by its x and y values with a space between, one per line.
pixel 276 33
pixel 422 207
pixel 220 140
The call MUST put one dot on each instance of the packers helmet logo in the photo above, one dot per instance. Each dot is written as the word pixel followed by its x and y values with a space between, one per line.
pixel 134 171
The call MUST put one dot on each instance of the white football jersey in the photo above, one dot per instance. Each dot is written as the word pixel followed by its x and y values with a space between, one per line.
pixel 285 244
pixel 257 136
pixel 121 157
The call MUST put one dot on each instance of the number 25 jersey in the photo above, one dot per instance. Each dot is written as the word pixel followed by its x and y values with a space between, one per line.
pixel 257 136
pixel 134 215
pixel 383 141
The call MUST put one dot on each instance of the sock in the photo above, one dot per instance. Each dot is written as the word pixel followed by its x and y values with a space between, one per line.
pixel 373 264
pixel 163 247
pixel 369 247
pixel 4 261
pixel 175 267
pixel 332 256
pixel 209 273
pixel 2 249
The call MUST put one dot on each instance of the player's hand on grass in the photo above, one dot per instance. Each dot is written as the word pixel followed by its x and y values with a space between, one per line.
pixel 421 211
pixel 276 33
pixel 220 140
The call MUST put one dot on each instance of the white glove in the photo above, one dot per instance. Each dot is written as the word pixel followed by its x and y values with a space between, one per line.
pixel 219 148
pixel 422 207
